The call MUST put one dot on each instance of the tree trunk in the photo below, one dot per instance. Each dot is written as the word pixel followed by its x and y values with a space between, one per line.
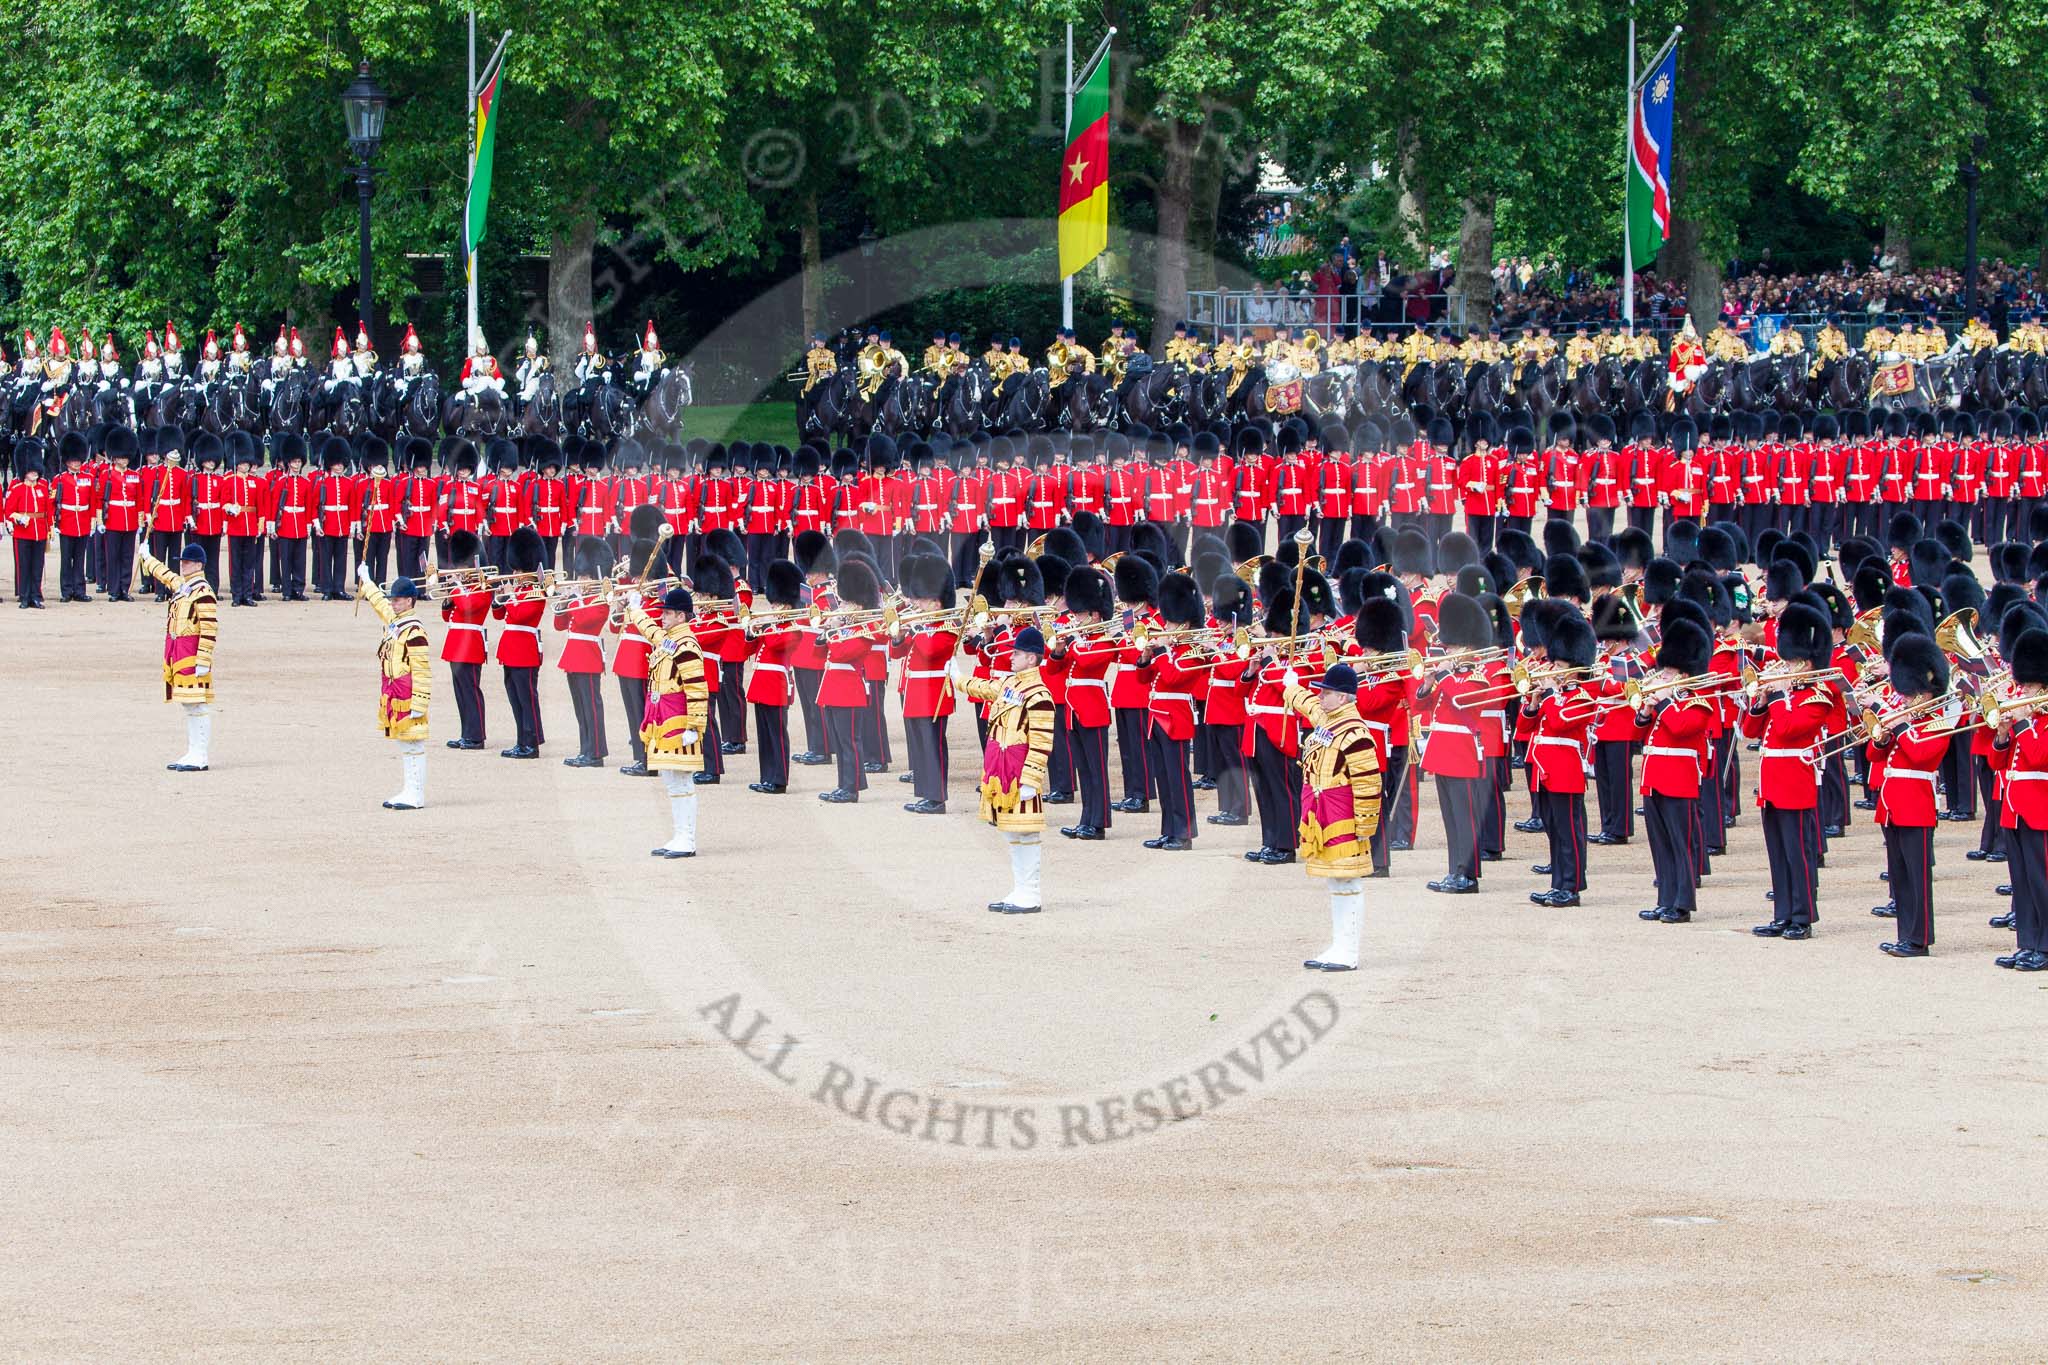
pixel 1207 202
pixel 1898 242
pixel 569 306
pixel 1411 210
pixel 813 267
pixel 1475 261
pixel 1175 204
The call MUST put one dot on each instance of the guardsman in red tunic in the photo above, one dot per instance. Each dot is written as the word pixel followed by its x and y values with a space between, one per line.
pixel 1675 726
pixel 246 501
pixel 1084 662
pixel 169 516
pixel 78 507
pixel 121 510
pixel 377 504
pixel 1333 491
pixel 418 517
pixel 520 606
pixel 1294 489
pixel 843 693
pixel 2001 477
pixel 1686 477
pixel 1123 494
pixel 337 507
pixel 1087 485
pixel 771 687
pixel 1008 491
pixel 1564 712
pixel 1606 478
pixel 2020 751
pixel 294 506
pixel 581 618
pixel 504 506
pixel 1481 483
pixel 462 500
pixel 1789 713
pixel 1456 754
pixel 30 509
pixel 1524 490
pixel 1172 669
pixel 716 585
pixel 1910 753
pixel 547 503
pixel 466 646
pixel 927 650
pixel 645 551
pixel 1828 491
pixel 1642 463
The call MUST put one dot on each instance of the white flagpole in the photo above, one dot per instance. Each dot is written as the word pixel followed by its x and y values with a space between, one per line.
pixel 1067 282
pixel 1628 171
pixel 469 122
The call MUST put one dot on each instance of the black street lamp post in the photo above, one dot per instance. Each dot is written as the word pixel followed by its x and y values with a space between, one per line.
pixel 362 105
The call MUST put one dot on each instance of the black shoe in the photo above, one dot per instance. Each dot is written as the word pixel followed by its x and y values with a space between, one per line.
pixel 1529 826
pixel 1976 855
pixel 1996 855
pixel 1654 913
pixel 873 767
pixel 519 751
pixel 925 806
pixel 1901 950
pixel 2005 889
pixel 2011 959
pixel 839 796
pixel 1771 896
pixel 584 761
pixel 1380 872
pixel 1058 799
pixel 1231 820
pixel 1258 855
pixel 809 759
pixel 1277 857
pixel 1775 929
pixel 1455 886
pixel 701 779
pixel 1675 917
pixel 2009 920
pixel 1866 803
pixel 767 788
pixel 1720 852
pixel 1540 869
pixel 2032 960
pixel 185 767
pixel 1831 831
pixel 1402 845
pixel 906 777
pixel 1089 832
pixel 466 744
pixel 666 853
pixel 1561 900
pixel 1205 784
pixel 1605 840
pixel 1885 911
pixel 1008 909
pixel 1795 932
pixel 1131 805
pixel 1491 856
pixel 1166 845
pixel 635 769
pixel 731 746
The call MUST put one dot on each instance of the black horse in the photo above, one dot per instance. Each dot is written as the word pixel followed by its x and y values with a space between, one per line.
pixel 827 410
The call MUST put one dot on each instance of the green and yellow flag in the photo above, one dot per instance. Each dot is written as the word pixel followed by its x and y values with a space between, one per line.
pixel 1084 174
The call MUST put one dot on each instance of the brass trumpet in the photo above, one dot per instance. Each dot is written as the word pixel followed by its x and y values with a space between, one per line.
pixel 445 583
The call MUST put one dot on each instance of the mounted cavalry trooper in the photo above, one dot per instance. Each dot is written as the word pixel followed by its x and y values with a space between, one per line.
pixel 593 371
pixel 110 376
pixel 365 356
pixel 648 363
pixel 341 378
pixel 209 358
pixel 174 355
pixel 240 360
pixel 480 371
pixel 532 365
pixel 149 371
pixel 26 383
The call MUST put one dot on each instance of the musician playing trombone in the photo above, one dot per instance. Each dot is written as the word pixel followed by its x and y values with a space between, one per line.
pixel 1906 746
pixel 1558 761
pixel 1788 710
pixel 1674 717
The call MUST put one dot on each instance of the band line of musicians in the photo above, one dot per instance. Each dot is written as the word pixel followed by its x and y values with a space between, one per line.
pixel 1324 700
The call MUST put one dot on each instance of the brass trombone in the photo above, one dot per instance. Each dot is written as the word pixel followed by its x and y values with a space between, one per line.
pixel 1524 590
pixel 1897 718
pixel 1957 636
pixel 442 584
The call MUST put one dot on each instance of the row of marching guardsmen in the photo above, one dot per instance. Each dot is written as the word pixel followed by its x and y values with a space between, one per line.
pixel 1322 708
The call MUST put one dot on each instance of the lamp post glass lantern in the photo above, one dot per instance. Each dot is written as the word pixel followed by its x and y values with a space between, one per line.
pixel 362 108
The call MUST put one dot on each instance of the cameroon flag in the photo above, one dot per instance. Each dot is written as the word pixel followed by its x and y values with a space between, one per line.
pixel 480 168
pixel 1084 174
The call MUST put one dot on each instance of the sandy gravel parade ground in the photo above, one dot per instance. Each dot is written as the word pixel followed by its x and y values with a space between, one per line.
pixel 291 1077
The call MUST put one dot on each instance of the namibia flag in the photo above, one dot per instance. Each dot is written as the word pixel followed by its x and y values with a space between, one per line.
pixel 1649 161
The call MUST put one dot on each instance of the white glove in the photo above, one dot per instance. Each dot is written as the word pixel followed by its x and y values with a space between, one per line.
pixel 363 572
pixel 1291 678
pixel 688 737
pixel 962 667
pixel 1027 792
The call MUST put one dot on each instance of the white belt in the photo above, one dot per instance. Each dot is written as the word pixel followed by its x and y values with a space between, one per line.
pixel 2021 777
pixel 1261 709
pixel 1442 727
pixel 1666 751
pixel 924 673
pixel 580 635
pixel 1073 683
pixel 1909 774
pixel 468 625
pixel 850 668
pixel 771 668
pixel 1572 743
pixel 534 631
pixel 1173 696
pixel 1500 716
pixel 1803 755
